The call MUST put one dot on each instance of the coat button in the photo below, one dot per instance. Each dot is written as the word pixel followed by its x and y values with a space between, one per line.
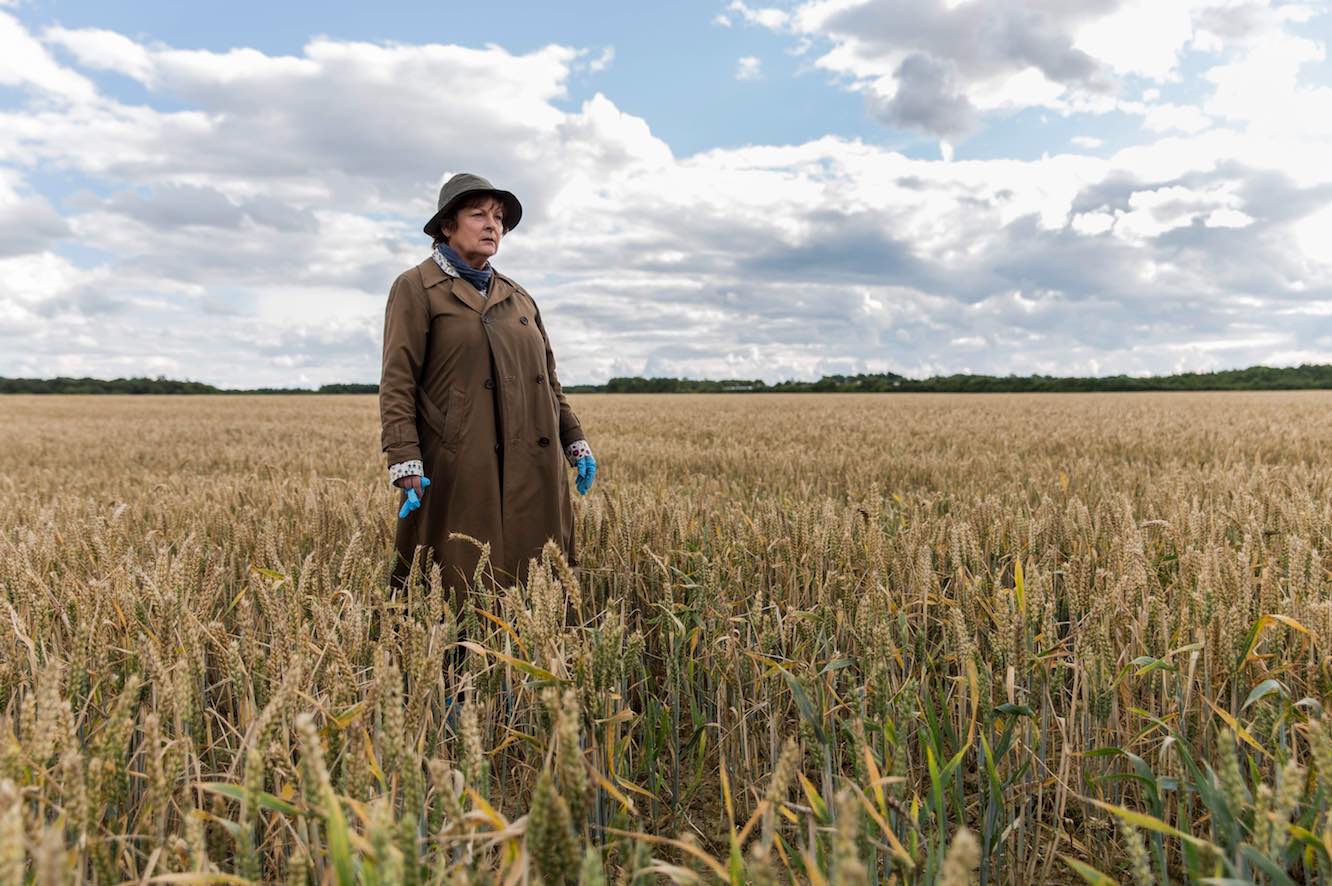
pixel 490 384
pixel 543 441
pixel 540 379
pixel 522 320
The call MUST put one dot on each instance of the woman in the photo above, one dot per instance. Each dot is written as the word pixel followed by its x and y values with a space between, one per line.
pixel 472 416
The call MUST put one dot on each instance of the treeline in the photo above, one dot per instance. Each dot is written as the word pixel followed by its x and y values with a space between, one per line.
pixel 1309 376
pixel 1255 378
pixel 159 385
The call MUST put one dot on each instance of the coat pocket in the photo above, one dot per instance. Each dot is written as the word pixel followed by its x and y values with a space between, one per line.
pixel 443 422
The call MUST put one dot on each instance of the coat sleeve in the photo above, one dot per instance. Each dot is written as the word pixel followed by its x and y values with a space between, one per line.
pixel 571 431
pixel 406 326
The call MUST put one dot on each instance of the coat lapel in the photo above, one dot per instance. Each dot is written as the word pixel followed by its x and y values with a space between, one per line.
pixel 432 275
pixel 499 291
pixel 467 294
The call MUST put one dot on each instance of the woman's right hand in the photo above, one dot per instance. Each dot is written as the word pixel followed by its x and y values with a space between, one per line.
pixel 414 492
pixel 411 481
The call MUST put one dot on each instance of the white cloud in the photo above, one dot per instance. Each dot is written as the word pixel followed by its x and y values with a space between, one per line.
pixel 1313 233
pixel 1154 212
pixel 768 17
pixel 1262 89
pixel 1228 218
pixel 345 122
pixel 1143 37
pixel 603 61
pixel 1184 118
pixel 24 62
pixel 934 66
pixel 941 66
pixel 28 222
pixel 1092 223
pixel 31 280
pixel 749 67
pixel 104 50
pixel 1087 141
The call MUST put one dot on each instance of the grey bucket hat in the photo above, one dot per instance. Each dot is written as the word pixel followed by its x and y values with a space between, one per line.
pixel 464 184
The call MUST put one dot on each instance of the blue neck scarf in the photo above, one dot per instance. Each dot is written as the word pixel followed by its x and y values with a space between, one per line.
pixel 480 279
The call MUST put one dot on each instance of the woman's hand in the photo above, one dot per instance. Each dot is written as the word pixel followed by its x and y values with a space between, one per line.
pixel 415 487
pixel 587 472
pixel 412 481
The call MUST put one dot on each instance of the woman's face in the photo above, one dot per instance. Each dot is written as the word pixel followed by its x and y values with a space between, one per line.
pixel 475 231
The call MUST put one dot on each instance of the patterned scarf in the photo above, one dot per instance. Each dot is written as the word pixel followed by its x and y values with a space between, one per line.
pixel 452 264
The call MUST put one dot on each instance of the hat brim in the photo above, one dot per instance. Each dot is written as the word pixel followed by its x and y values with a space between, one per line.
pixel 513 210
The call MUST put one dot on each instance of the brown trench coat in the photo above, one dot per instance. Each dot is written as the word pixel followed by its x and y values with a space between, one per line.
pixel 468 386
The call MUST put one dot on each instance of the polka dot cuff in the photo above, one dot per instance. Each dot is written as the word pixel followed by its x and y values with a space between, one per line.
pixel 412 468
pixel 577 450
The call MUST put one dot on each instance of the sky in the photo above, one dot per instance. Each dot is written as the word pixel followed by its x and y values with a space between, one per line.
pixel 225 192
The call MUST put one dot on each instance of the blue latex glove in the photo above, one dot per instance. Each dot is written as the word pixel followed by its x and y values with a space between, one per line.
pixel 587 472
pixel 412 503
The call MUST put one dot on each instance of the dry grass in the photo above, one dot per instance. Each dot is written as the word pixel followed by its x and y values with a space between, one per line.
pixel 813 638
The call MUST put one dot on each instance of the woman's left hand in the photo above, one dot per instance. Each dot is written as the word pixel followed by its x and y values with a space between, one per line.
pixel 587 472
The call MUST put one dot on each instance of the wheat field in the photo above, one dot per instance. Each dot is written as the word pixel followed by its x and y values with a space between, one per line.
pixel 817 639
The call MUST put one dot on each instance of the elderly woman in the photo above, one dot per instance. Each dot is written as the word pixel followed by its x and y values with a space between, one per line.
pixel 473 421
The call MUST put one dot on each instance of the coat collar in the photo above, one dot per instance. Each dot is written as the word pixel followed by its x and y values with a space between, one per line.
pixel 500 287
